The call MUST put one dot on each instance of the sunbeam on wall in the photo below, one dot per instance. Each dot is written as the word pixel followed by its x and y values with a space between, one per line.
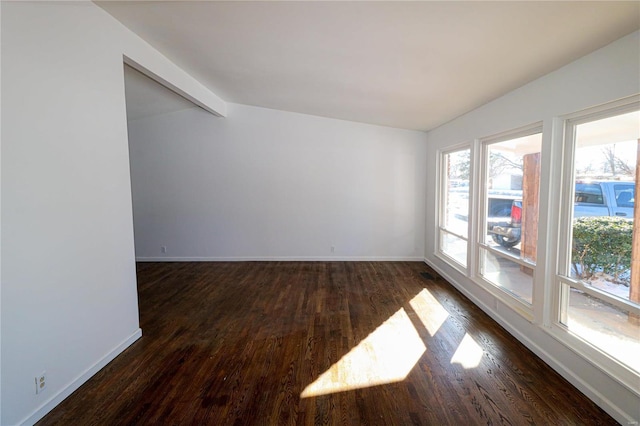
pixel 387 355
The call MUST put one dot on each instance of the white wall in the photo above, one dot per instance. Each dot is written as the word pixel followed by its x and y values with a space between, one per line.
pixel 266 184
pixel 605 75
pixel 69 300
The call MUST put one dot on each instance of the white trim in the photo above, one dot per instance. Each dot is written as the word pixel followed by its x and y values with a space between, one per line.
pixel 446 231
pixel 567 196
pixel 546 310
pixel 440 198
pixel 283 259
pixel 482 206
pixel 439 252
pixel 520 132
pixel 605 110
pixel 604 296
pixel 45 408
pixel 601 400
pixel 526 310
pixel 181 84
pixel 452 262
pixel 506 255
pixel 473 255
pixel 441 204
pixel 613 368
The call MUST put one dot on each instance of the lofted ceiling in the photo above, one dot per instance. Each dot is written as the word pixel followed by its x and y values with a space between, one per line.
pixel 412 65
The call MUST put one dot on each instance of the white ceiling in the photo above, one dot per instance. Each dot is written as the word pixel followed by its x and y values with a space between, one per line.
pixel 412 65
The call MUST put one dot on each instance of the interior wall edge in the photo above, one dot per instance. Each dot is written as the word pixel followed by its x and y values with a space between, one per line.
pixel 177 82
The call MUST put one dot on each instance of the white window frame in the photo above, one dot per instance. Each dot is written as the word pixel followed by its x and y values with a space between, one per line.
pixel 562 280
pixel 480 226
pixel 441 206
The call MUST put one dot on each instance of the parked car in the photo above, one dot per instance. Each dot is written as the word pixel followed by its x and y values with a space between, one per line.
pixel 604 198
pixel 592 198
pixel 500 200
pixel 508 233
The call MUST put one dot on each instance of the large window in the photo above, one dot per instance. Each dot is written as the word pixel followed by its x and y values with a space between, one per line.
pixel 599 267
pixel 454 205
pixel 553 233
pixel 507 244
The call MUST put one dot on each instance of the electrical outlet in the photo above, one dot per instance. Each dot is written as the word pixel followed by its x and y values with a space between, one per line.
pixel 41 382
pixel 333 249
pixel 163 249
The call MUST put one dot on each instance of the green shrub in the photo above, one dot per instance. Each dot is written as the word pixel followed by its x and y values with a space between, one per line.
pixel 602 244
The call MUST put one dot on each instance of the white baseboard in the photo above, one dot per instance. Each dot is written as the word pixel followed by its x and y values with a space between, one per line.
pixel 284 259
pixel 601 400
pixel 80 380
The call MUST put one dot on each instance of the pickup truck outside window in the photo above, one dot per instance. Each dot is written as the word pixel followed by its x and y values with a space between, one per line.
pixel 605 198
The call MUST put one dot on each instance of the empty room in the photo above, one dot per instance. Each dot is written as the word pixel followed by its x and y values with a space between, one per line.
pixel 267 213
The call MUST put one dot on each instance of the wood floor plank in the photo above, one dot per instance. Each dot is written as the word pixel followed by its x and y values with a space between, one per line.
pixel 238 343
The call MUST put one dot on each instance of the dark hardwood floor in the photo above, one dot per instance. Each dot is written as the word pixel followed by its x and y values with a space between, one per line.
pixel 325 343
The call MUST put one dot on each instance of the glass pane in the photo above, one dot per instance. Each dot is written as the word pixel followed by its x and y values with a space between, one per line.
pixel 589 193
pixel 611 329
pixel 456 192
pixel 513 181
pixel 455 247
pixel 606 159
pixel 508 275
pixel 625 195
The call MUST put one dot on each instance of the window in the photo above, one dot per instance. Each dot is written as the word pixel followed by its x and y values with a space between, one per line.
pixel 589 193
pixel 598 292
pixel 582 284
pixel 509 225
pixel 625 195
pixel 454 205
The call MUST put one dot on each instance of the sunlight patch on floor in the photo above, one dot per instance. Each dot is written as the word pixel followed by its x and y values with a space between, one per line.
pixel 387 355
pixel 468 354
pixel 429 310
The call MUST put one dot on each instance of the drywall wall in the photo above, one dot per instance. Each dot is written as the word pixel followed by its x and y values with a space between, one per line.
pixel 266 184
pixel 68 277
pixel 69 301
pixel 605 75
